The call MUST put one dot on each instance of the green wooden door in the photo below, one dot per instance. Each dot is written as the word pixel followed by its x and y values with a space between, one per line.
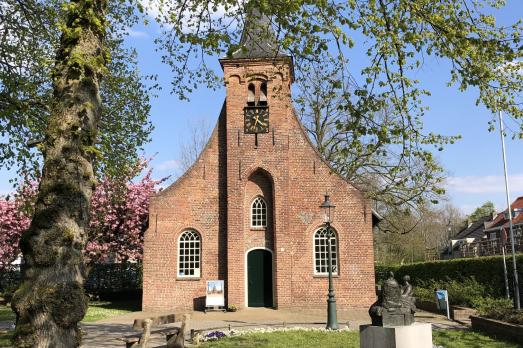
pixel 259 278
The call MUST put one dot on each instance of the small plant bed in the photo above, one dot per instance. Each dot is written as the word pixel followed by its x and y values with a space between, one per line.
pixel 99 310
pixel 509 315
pixel 299 338
pixel 498 328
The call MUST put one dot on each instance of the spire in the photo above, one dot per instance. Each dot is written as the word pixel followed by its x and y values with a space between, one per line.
pixel 258 39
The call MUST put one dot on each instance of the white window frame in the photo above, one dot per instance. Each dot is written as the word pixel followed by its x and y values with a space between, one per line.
pixel 194 252
pixel 324 256
pixel 262 215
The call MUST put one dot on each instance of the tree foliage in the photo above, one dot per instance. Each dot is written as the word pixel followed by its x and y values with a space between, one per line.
pixel 119 217
pixel 375 150
pixel 29 38
pixel 371 118
pixel 191 148
pixel 397 36
pixel 415 235
pixel 486 209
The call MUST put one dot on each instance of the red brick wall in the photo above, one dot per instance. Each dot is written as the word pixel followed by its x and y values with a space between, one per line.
pixel 215 195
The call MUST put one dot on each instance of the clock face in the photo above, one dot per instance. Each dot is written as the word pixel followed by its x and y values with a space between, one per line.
pixel 256 119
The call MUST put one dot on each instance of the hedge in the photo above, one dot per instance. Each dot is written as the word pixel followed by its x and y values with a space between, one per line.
pixel 114 277
pixel 102 279
pixel 486 270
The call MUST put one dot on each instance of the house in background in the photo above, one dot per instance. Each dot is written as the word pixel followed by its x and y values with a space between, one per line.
pixel 499 230
pixel 488 235
pixel 472 233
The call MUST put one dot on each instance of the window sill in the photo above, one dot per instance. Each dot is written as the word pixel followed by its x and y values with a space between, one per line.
pixel 188 278
pixel 258 228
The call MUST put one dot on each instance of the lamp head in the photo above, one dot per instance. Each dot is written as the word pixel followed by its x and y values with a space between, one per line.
pixel 328 209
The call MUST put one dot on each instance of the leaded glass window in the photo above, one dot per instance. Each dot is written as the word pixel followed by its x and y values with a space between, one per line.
pixel 321 252
pixel 189 254
pixel 259 213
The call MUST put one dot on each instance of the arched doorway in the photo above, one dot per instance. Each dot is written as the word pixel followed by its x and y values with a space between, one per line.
pixel 259 278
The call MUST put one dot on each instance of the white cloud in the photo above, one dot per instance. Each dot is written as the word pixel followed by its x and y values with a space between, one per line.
pixel 485 184
pixel 168 165
pixel 138 34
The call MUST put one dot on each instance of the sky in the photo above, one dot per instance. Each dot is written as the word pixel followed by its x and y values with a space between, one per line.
pixel 473 164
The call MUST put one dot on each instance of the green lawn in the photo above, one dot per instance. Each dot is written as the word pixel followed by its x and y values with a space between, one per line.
pixel 468 339
pixel 6 313
pixel 300 339
pixel 97 310
pixel 5 338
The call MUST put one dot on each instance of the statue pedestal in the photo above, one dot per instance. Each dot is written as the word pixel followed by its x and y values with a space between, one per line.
pixel 417 335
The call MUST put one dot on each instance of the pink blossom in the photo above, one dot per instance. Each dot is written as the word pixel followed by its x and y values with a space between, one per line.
pixel 119 218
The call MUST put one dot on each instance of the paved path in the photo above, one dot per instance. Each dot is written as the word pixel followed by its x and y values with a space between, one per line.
pixel 105 333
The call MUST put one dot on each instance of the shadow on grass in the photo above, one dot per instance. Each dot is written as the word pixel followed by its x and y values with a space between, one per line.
pixel 99 310
pixel 131 306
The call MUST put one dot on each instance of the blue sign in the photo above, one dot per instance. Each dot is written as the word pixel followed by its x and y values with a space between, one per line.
pixel 442 301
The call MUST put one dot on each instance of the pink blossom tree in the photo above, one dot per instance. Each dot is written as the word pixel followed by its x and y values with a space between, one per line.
pixel 119 217
pixel 15 217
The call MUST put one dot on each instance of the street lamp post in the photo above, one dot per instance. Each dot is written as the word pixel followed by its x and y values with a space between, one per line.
pixel 328 209
pixel 517 303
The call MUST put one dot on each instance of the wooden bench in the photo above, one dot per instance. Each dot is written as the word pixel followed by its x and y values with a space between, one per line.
pixel 145 325
pixel 133 341
pixel 138 324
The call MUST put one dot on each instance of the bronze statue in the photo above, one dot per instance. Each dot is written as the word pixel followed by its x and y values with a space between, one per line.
pixel 395 305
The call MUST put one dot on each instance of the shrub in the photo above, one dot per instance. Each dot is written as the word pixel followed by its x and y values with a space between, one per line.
pixel 509 315
pixel 422 293
pixel 104 281
pixel 487 272
pixel 485 305
pixel 232 308
pixel 463 292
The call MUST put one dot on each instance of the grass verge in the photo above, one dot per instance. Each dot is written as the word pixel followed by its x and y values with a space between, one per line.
pixel 99 310
pixel 300 339
pixel 5 338
pixel 6 314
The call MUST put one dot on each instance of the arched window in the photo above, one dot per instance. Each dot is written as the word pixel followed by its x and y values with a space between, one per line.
pixel 259 212
pixel 263 95
pixel 189 251
pixel 321 251
pixel 250 95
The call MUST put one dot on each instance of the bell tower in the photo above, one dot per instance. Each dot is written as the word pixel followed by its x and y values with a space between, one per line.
pixel 258 76
pixel 258 111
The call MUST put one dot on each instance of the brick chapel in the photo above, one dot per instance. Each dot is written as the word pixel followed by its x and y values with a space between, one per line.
pixel 247 211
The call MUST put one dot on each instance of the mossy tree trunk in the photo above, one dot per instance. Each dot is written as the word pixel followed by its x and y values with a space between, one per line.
pixel 51 301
